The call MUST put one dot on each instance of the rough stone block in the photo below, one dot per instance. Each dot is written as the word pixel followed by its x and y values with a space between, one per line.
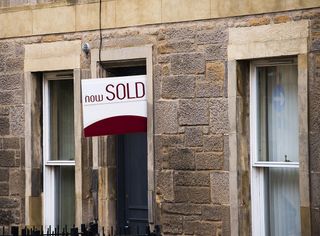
pixel 219 121
pixel 7 158
pixel 215 212
pixel 193 136
pixel 194 112
pixel 4 126
pixel 314 146
pixel 281 19
pixel 6 217
pixel 215 71
pixel 205 89
pixel 220 187
pixel 192 178
pixel 191 63
pixel 176 47
pixel 4 174
pixel 215 52
pixel 166 117
pixel 165 185
pixel 192 194
pixel 4 111
pixel 171 140
pixel 10 82
pixel 14 64
pixel 201 228
pixel 256 21
pixel 213 143
pixel 7 98
pixel 172 224
pixel 176 33
pixel 11 143
pixel 209 161
pixel 315 189
pixel 4 189
pixel 16 182
pixel 181 208
pixel 178 87
pixel 216 35
pixel 181 159
pixel 6 202
pixel 17 121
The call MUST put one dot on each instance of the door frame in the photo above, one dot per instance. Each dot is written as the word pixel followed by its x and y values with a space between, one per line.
pixel 103 147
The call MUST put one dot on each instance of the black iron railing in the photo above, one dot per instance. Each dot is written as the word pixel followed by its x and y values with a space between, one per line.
pixel 91 230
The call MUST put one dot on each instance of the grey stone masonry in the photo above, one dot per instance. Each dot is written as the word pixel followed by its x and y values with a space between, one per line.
pixel 12 179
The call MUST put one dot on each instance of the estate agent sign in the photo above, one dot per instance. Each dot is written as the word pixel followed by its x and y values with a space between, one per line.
pixel 114 105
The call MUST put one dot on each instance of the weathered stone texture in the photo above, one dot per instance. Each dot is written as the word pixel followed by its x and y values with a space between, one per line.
pixel 181 208
pixel 17 121
pixel 202 228
pixel 193 136
pixel 184 64
pixel 11 143
pixel 181 159
pixel 4 126
pixel 6 217
pixel 209 161
pixel 315 189
pixel 4 174
pixel 176 47
pixel 215 52
pixel 192 194
pixel 213 143
pixel 16 182
pixel 7 158
pixel 178 87
pixel 165 185
pixel 216 35
pixel 192 178
pixel 220 187
pixel 4 189
pixel 194 112
pixel 10 82
pixel 6 203
pixel 219 116
pixel 166 117
pixel 172 224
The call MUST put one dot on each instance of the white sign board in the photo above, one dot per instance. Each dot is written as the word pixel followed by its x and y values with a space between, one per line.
pixel 115 105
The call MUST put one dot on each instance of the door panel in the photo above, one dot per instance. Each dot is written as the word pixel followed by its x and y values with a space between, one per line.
pixel 132 206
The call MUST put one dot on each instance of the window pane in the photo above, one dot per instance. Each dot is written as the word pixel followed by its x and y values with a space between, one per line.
pixel 65 195
pixel 278 113
pixel 284 202
pixel 61 120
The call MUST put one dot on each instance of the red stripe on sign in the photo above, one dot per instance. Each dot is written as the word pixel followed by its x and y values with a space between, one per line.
pixel 117 125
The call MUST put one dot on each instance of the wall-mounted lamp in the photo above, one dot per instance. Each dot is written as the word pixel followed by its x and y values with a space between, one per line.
pixel 86 48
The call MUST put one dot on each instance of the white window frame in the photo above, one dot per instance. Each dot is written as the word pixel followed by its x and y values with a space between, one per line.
pixel 258 168
pixel 49 203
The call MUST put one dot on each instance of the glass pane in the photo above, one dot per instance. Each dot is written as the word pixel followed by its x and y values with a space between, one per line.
pixel 278 113
pixel 65 195
pixel 284 202
pixel 61 120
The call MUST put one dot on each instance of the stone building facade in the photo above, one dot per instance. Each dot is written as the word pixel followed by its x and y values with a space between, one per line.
pixel 197 57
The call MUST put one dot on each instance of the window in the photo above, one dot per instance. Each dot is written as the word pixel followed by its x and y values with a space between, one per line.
pixel 58 150
pixel 274 131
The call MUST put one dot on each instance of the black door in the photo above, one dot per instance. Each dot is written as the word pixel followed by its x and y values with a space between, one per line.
pixel 132 204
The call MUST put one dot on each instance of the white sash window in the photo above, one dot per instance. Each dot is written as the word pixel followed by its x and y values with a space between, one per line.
pixel 58 151
pixel 274 131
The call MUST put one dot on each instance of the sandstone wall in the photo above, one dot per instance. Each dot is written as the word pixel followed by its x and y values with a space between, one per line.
pixel 190 114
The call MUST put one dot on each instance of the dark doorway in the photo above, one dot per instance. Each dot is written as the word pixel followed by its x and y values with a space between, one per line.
pixel 132 183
